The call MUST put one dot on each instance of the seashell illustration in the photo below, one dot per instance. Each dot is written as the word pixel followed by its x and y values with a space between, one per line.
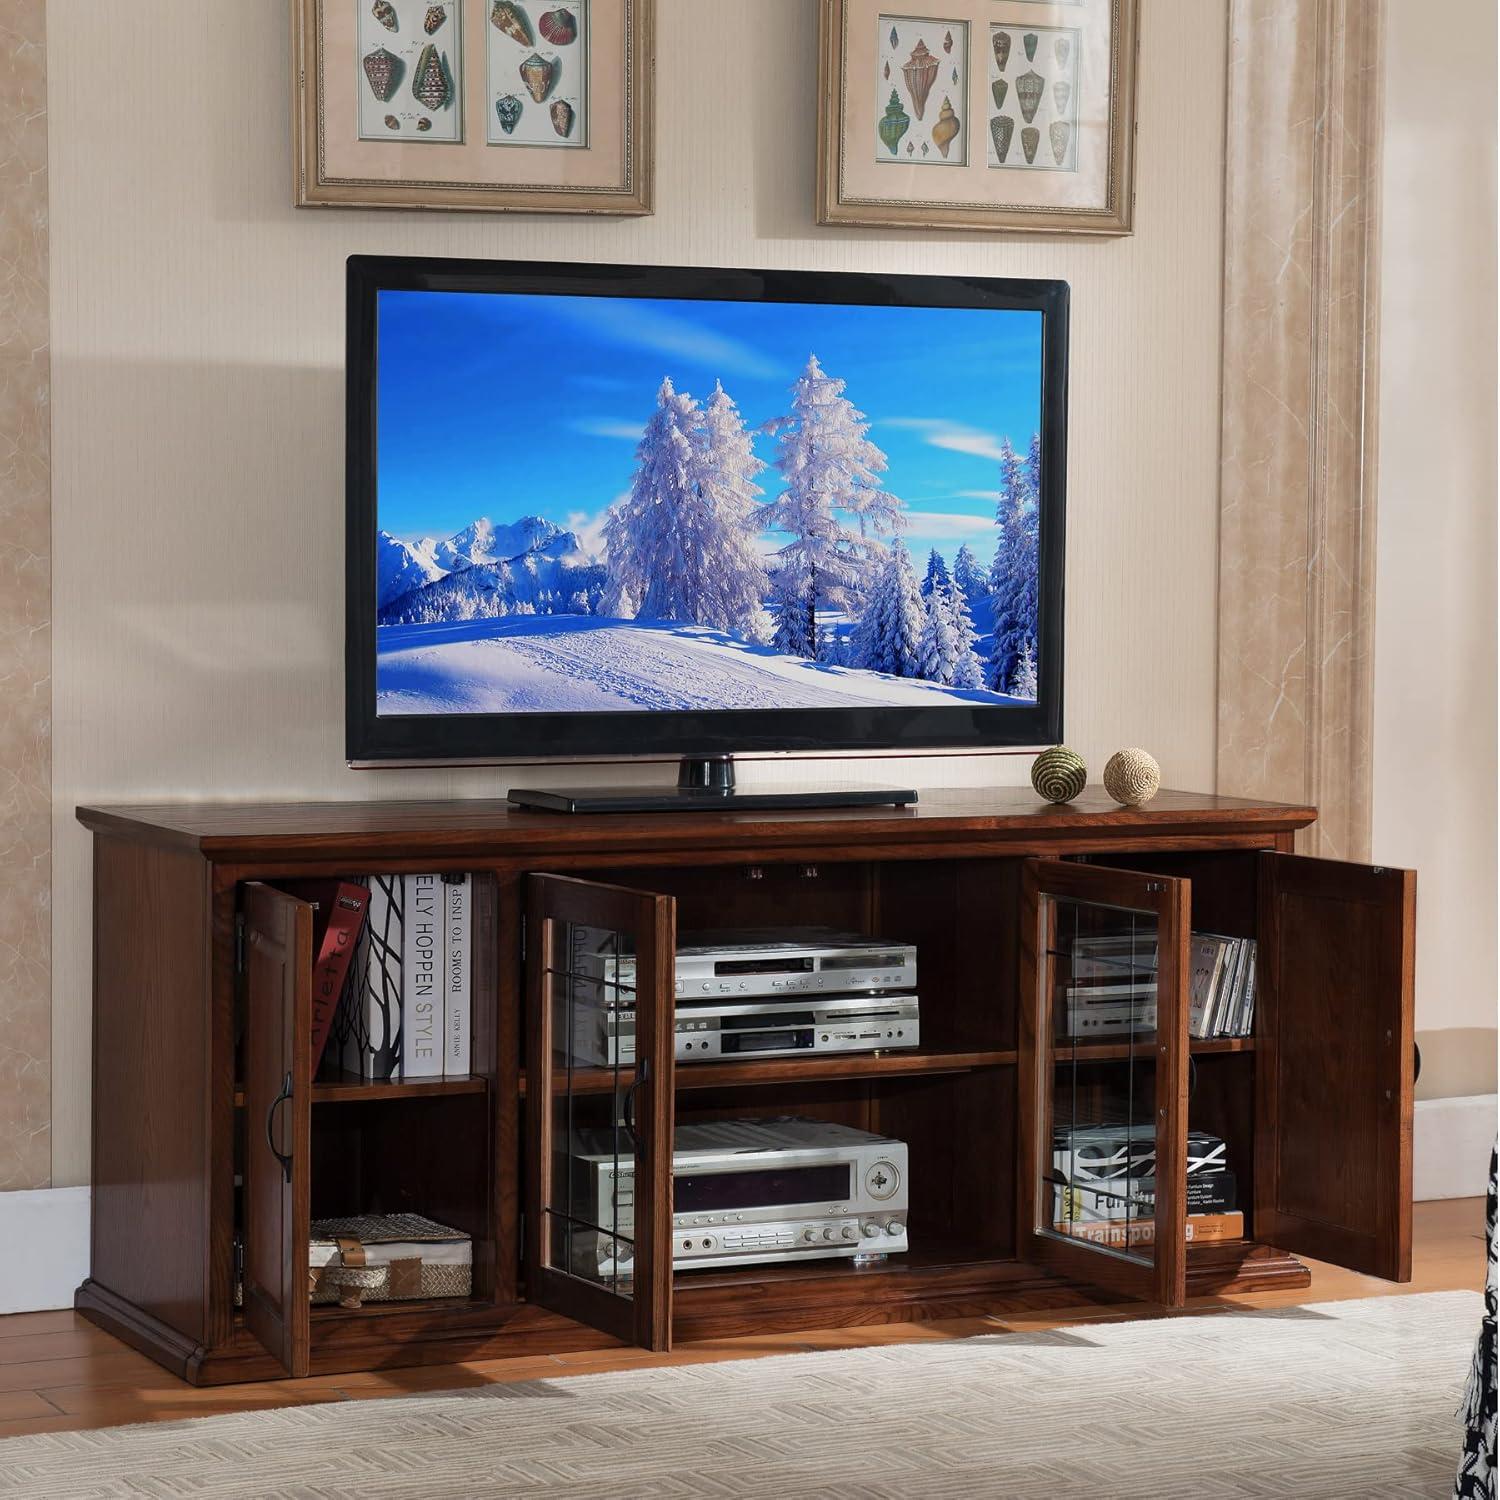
pixel 887 72
pixel 924 148
pixel 433 20
pixel 894 38
pixel 919 70
pixel 1059 130
pixel 508 17
pixel 948 41
pixel 910 147
pixel 538 75
pixel 385 13
pixel 1029 43
pixel 383 69
pixel 429 84
pixel 955 75
pixel 1002 127
pixel 509 110
pixel 945 127
pixel 1029 94
pixel 999 88
pixel 1001 43
pixel 894 123
pixel 1030 139
pixel 562 116
pixel 1061 93
pixel 558 26
pixel 1060 49
pixel 424 123
pixel 392 123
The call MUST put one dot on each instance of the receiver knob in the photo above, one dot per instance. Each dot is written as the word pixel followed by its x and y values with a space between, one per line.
pixel 848 1232
pixel 828 1232
pixel 809 1235
pixel 892 1226
pixel 871 1230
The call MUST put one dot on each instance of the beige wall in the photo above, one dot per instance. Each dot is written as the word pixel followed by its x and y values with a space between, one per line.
pixel 197 328
pixel 1435 549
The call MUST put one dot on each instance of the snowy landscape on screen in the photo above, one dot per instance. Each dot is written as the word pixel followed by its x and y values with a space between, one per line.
pixel 819 540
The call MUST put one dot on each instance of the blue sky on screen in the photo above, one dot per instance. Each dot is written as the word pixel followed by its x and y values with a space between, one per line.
pixel 503 406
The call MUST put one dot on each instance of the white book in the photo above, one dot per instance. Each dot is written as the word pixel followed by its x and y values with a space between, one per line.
pixel 422 963
pixel 367 1027
pixel 1206 958
pixel 457 893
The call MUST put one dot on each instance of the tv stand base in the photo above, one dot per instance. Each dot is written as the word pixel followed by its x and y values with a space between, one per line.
pixel 704 784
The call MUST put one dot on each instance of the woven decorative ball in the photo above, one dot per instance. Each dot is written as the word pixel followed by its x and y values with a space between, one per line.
pixel 1132 777
pixel 1059 774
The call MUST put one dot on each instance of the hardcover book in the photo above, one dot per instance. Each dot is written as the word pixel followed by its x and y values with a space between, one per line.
pixel 369 1021
pixel 338 916
pixel 422 978
pixel 457 895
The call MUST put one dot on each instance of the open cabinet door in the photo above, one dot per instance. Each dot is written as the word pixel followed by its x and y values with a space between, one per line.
pixel 1102 1174
pixel 278 1121
pixel 1334 1064
pixel 599 1083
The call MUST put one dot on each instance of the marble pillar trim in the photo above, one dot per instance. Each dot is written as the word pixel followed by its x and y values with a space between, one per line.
pixel 1297 490
pixel 25 607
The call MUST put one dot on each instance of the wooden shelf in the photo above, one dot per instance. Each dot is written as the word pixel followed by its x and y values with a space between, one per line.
pixel 918 1062
pixel 1119 1051
pixel 349 1088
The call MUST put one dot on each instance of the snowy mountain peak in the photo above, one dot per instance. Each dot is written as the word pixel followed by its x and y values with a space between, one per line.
pixel 482 541
pixel 401 566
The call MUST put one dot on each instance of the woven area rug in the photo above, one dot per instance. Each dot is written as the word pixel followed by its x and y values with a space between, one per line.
pixel 1335 1399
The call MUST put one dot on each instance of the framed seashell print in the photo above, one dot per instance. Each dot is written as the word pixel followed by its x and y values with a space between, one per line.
pixel 978 114
pixel 543 106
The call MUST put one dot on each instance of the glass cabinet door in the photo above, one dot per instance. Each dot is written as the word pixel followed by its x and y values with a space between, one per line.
pixel 599 1090
pixel 1103 1077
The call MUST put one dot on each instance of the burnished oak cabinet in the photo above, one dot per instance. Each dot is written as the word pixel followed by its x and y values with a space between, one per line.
pixel 207 1170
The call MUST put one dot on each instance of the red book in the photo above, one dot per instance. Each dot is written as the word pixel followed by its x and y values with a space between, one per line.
pixel 340 913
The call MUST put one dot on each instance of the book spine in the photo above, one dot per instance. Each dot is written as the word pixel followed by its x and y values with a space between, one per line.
pixel 421 965
pixel 340 939
pixel 1201 1229
pixel 457 985
pixel 372 1041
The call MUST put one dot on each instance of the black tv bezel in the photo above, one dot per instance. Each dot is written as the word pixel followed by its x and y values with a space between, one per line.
pixel 372 738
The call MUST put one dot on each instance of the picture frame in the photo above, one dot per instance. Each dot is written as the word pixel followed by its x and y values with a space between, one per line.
pixel 487 106
pixel 905 84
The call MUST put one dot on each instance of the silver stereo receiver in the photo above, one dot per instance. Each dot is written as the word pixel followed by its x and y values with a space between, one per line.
pixel 746 1192
pixel 747 964
pixel 604 1035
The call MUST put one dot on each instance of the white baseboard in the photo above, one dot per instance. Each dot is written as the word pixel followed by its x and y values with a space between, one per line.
pixel 44 1248
pixel 1451 1144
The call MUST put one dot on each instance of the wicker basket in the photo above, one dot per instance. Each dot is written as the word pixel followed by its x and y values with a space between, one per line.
pixel 387 1258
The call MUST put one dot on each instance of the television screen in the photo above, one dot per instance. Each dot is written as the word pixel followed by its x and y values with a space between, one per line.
pixel 598 493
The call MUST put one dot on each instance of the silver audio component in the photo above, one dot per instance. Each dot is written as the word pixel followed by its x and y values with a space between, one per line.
pixel 747 1192
pixel 604 1036
pixel 746 965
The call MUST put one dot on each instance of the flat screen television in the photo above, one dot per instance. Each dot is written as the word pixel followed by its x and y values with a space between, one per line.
pixel 651 511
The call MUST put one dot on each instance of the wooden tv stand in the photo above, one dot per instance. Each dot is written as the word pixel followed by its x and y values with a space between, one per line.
pixel 200 963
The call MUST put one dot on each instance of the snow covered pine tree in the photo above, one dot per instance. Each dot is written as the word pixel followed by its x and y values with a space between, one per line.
pixel 1013 574
pixel 937 649
pixel 1023 684
pixel 968 670
pixel 888 636
pixel 970 577
pixel 937 573
pixel 681 544
pixel 833 508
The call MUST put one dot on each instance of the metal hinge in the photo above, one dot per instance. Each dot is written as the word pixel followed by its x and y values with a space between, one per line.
pixel 239 1257
pixel 239 944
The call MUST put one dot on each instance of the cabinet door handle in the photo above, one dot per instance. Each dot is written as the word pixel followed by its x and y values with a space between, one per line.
pixel 281 1098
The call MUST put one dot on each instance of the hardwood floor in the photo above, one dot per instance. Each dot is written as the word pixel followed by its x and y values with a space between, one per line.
pixel 59 1373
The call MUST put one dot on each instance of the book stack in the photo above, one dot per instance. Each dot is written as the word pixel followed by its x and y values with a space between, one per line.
pixel 405 1011
pixel 1113 987
pixel 1105 1186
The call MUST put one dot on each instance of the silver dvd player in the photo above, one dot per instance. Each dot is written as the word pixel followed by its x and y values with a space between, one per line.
pixel 604 1035
pixel 807 961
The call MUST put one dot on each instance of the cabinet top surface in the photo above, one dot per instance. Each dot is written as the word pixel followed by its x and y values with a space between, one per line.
pixel 225 828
